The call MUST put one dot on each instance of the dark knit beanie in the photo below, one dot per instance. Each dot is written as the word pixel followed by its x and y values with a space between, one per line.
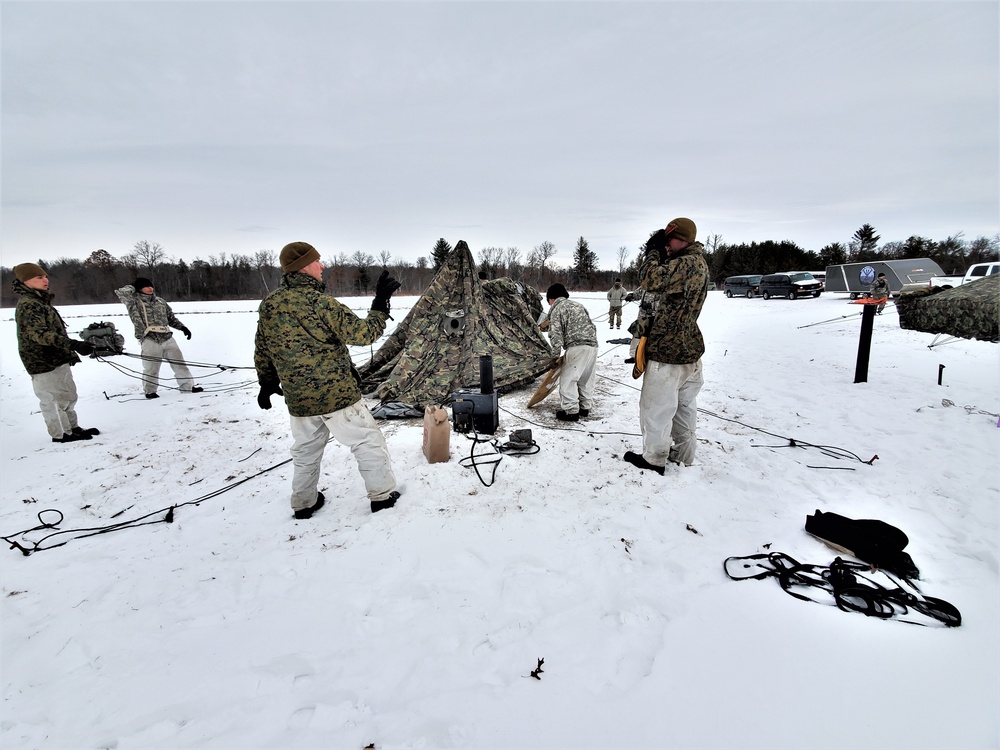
pixel 556 291
pixel 682 229
pixel 297 255
pixel 140 283
pixel 25 271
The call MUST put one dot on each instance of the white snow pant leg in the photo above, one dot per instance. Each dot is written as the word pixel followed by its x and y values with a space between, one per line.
pixel 663 387
pixel 172 353
pixel 686 418
pixel 152 353
pixel 56 393
pixel 588 378
pixel 353 426
pixel 576 381
pixel 309 438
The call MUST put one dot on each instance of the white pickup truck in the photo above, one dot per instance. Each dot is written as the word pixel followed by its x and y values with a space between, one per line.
pixel 975 272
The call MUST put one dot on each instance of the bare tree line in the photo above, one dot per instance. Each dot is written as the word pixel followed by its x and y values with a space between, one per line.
pixel 253 276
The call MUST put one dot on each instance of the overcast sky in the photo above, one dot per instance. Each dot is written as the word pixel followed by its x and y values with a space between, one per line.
pixel 240 126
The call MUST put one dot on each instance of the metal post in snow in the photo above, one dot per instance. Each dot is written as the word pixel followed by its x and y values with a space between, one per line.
pixel 865 343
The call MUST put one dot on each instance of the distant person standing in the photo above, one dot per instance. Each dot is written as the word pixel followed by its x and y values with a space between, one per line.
pixel 570 327
pixel 879 289
pixel 47 353
pixel 616 298
pixel 300 352
pixel 672 375
pixel 153 319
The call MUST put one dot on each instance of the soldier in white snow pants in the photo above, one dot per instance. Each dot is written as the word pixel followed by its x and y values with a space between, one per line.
pixel 153 354
pixel 576 379
pixel 668 411
pixel 353 426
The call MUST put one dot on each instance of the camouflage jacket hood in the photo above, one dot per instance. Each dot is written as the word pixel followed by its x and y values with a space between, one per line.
pixel 570 325
pixel 681 286
pixel 301 343
pixel 42 341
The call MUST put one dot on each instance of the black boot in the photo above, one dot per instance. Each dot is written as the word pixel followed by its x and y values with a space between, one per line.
pixel 636 459
pixel 152 395
pixel 197 389
pixel 563 416
pixel 71 437
pixel 91 431
pixel 390 501
pixel 303 513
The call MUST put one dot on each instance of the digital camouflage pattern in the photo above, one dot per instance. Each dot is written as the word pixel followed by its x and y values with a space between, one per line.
pixel 427 357
pixel 969 311
pixel 301 344
pixel 570 325
pixel 41 333
pixel 681 286
pixel 157 311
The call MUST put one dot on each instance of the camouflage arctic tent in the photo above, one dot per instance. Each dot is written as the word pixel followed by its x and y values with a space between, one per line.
pixel 435 349
pixel 969 311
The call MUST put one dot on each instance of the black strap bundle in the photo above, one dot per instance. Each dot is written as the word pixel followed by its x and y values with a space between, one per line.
pixel 850 585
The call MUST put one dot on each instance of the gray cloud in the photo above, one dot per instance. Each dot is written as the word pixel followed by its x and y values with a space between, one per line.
pixel 374 126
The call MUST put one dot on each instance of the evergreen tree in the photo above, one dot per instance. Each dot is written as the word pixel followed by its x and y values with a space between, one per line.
pixel 864 244
pixel 440 253
pixel 918 247
pixel 833 254
pixel 584 261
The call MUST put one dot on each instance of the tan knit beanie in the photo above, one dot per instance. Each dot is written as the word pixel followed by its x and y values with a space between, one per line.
pixel 297 255
pixel 682 229
pixel 26 271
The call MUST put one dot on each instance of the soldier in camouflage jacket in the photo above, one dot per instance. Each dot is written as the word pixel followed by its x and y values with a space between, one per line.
pixel 879 289
pixel 301 353
pixel 48 353
pixel 570 327
pixel 153 319
pixel 616 298
pixel 675 270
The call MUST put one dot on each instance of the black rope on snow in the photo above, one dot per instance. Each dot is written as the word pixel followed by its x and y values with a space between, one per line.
pixel 828 450
pixel 161 380
pixel 848 584
pixel 82 533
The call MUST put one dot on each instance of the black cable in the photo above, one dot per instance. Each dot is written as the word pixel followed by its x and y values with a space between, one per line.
pixel 831 451
pixel 82 533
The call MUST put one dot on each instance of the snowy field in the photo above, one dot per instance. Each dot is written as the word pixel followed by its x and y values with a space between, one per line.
pixel 236 626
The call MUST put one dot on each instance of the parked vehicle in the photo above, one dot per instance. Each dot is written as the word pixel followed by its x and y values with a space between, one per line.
pixel 975 272
pixel 902 275
pixel 789 284
pixel 742 286
pixel 820 276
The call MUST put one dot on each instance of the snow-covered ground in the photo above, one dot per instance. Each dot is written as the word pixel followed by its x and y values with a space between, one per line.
pixel 419 627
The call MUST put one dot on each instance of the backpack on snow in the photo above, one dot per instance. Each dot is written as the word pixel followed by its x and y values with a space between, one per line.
pixel 875 542
pixel 104 338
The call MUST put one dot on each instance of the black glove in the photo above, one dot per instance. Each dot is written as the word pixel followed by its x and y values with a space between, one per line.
pixel 384 288
pixel 186 332
pixel 266 391
pixel 81 347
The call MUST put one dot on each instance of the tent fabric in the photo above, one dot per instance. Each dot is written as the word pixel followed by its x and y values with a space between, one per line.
pixel 435 349
pixel 969 311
